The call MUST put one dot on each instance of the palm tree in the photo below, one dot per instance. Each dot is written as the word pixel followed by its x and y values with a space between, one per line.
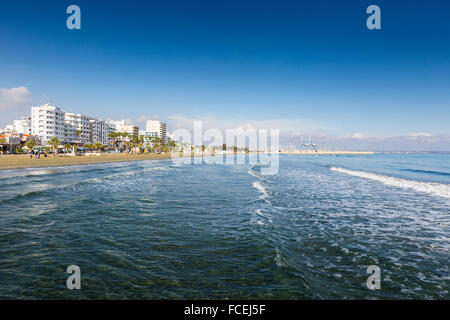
pixel 128 144
pixel 54 142
pixel 78 134
pixel 140 142
pixel 67 146
pixel 88 146
pixel 156 143
pixel 135 142
pixel 115 137
pixel 112 136
pixel 172 145
pixel 125 139
pixel 98 146
pixel 203 149
pixel 30 144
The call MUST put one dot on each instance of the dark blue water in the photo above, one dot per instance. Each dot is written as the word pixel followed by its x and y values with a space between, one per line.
pixel 159 229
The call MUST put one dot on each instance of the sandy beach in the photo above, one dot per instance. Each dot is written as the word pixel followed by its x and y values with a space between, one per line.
pixel 24 161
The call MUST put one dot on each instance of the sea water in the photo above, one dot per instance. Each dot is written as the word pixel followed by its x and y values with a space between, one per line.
pixel 167 230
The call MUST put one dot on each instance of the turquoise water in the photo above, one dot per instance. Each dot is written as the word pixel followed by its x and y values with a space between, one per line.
pixel 164 230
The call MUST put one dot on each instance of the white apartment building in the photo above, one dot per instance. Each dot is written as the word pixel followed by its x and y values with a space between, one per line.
pixel 156 128
pixel 148 135
pixel 77 128
pixel 46 122
pixel 123 126
pixel 99 131
pixel 49 121
pixel 22 126
pixel 9 129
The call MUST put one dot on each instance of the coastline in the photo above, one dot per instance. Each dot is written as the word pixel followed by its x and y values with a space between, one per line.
pixel 323 152
pixel 11 162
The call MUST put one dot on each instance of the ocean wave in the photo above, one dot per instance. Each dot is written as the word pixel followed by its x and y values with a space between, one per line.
pixel 253 174
pixel 57 170
pixel 263 215
pixel 48 187
pixel 433 188
pixel 95 180
pixel 439 173
pixel 258 186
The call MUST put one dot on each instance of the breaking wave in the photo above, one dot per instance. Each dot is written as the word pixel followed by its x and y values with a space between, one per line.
pixel 433 188
pixel 261 188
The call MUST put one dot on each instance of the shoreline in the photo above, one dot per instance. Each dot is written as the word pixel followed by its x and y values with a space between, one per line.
pixel 322 152
pixel 12 162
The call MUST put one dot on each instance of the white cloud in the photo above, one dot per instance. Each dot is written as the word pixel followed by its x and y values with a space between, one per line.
pixel 420 134
pixel 14 102
pixel 291 131
pixel 14 97
pixel 357 136
pixel 141 121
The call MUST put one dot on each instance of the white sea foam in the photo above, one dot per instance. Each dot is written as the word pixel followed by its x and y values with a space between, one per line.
pixel 253 174
pixel 259 213
pixel 258 186
pixel 279 259
pixel 256 175
pixel 263 215
pixel 433 188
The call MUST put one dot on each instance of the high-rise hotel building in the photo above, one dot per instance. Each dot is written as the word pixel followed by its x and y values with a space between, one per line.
pixel 49 121
pixel 124 126
pixel 156 128
pixel 77 128
pixel 23 125
pixel 46 122
pixel 99 131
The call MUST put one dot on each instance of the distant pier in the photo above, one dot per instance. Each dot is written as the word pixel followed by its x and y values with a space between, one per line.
pixel 311 152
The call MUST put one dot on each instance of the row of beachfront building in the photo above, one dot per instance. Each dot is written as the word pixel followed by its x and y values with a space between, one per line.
pixel 47 121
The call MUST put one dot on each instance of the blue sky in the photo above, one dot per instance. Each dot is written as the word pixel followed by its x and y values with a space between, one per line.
pixel 311 68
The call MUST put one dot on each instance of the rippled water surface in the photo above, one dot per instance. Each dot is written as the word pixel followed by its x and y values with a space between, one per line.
pixel 158 229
